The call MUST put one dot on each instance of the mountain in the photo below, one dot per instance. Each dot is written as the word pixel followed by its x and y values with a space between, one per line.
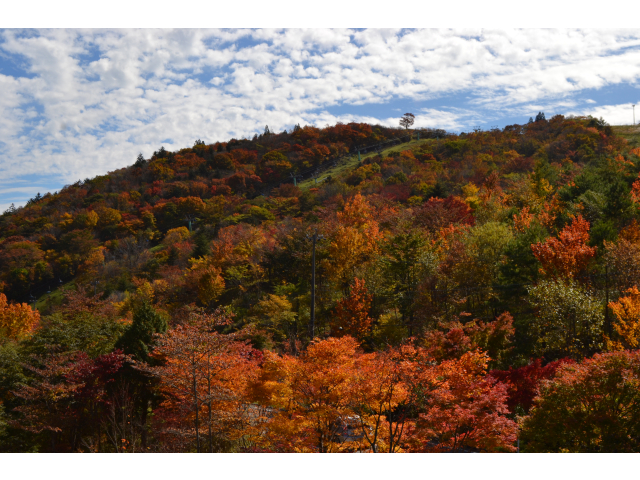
pixel 489 247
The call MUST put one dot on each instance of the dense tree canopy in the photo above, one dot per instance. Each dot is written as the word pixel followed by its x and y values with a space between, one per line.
pixel 470 290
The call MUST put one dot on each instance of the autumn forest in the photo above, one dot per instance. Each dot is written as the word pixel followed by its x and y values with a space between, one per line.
pixel 353 288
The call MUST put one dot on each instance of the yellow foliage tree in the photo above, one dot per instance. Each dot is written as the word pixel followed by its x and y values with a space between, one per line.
pixel 206 279
pixel 210 285
pixel 176 235
pixel 274 311
pixel 627 324
pixel 66 220
pixel 354 240
pixel 108 216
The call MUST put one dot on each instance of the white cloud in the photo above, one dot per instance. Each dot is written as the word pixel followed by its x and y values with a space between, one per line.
pixel 614 114
pixel 93 99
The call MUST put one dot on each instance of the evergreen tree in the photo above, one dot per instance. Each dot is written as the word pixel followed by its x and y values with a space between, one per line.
pixel 138 339
pixel 140 162
pixel 202 245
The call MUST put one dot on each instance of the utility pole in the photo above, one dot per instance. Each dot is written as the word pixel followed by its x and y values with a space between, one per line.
pixel 607 321
pixel 634 114
pixel 312 321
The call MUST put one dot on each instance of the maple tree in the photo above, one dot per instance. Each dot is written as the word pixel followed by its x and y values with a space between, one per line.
pixel 438 213
pixel 202 374
pixel 454 339
pixel 568 254
pixel 205 279
pixel 523 382
pixel 65 390
pixel 458 407
pixel 353 239
pixel 378 396
pixel 311 394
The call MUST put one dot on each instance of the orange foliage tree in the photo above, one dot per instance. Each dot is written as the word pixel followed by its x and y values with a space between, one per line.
pixel 311 396
pixel 377 400
pixel 567 254
pixel 352 313
pixel 16 320
pixel 202 377
pixel 336 398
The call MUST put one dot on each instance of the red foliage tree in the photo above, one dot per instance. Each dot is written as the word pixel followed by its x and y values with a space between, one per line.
pixel 68 397
pixel 459 408
pixel 523 382
pixel 437 213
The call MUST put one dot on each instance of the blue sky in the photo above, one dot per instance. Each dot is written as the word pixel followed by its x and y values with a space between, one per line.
pixel 78 103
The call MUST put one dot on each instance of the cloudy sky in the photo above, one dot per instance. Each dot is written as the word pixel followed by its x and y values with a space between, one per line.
pixel 79 103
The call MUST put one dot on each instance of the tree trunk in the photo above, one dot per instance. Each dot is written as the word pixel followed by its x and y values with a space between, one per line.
pixel 143 419
pixel 209 400
pixel 195 399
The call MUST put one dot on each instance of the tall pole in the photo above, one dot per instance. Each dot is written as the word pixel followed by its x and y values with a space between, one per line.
pixel 312 326
pixel 634 114
pixel 607 322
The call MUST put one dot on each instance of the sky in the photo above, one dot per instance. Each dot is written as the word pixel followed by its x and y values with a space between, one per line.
pixel 76 103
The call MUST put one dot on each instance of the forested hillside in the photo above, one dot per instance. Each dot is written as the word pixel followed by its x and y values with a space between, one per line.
pixel 473 292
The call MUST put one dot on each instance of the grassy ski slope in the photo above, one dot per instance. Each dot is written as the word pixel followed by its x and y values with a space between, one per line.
pixel 351 163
